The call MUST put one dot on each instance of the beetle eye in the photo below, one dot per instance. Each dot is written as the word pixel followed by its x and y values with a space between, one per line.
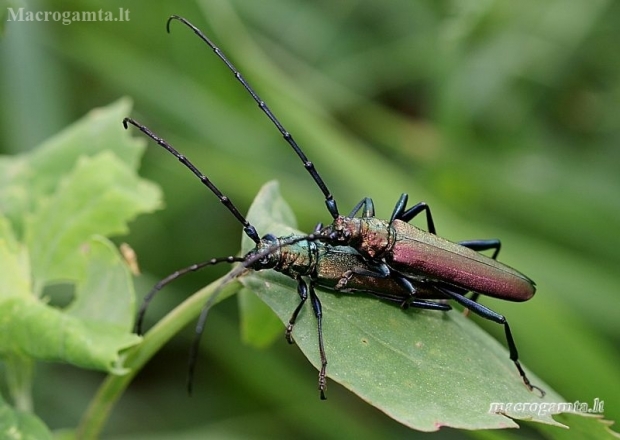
pixel 269 237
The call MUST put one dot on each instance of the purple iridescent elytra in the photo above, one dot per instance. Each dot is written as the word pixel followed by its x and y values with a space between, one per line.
pixel 415 250
pixel 420 255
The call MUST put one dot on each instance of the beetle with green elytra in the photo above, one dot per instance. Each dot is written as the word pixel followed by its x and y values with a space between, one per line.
pixel 396 250
pixel 299 257
pixel 403 250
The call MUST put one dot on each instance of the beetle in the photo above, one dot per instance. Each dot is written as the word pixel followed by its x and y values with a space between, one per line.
pixel 416 253
pixel 298 257
pixel 452 268
pixel 402 250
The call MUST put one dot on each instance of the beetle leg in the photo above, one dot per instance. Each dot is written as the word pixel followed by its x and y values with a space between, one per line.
pixel 412 301
pixel 483 245
pixel 416 303
pixel 302 290
pixel 479 246
pixel 409 301
pixel 489 314
pixel 342 282
pixel 399 209
pixel 400 213
pixel 380 270
pixel 318 312
pixel 383 271
pixel 429 305
pixel 368 211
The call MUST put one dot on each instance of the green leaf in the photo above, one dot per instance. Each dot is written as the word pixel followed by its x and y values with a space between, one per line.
pixel 86 335
pixel 19 425
pixel 26 179
pixel 106 294
pixel 425 369
pixel 98 197
pixel 583 426
pixel 55 205
pixel 14 264
pixel 259 325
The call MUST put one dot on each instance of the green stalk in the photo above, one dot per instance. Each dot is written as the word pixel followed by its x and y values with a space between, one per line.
pixel 19 371
pixel 113 386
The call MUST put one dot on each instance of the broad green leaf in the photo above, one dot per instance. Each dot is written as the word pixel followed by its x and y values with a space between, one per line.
pixel 19 425
pixel 26 178
pixel 57 202
pixel 106 295
pixel 46 333
pixel 259 325
pixel 425 369
pixel 582 426
pixel 14 264
pixel 94 330
pixel 98 197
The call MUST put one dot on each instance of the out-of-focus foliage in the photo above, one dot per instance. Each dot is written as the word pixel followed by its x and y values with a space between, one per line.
pixel 57 203
pixel 409 378
pixel 502 116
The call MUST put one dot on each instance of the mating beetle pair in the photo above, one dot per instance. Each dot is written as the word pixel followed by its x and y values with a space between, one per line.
pixel 392 260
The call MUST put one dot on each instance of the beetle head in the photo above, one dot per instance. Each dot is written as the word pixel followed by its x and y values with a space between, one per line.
pixel 269 246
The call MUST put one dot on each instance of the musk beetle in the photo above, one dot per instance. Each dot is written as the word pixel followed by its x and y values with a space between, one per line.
pixel 426 265
pixel 299 257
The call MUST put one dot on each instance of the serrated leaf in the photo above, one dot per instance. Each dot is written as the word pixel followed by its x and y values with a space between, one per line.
pixel 425 369
pixel 46 333
pixel 62 199
pixel 583 426
pixel 19 425
pixel 99 197
pixel 26 178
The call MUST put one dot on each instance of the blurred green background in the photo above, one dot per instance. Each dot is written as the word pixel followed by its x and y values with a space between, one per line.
pixel 502 116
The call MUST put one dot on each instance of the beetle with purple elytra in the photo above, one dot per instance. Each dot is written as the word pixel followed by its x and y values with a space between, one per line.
pixel 453 269
pixel 404 252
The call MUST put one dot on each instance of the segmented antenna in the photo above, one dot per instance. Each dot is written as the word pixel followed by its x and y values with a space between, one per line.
pixel 248 262
pixel 170 278
pixel 309 166
pixel 249 230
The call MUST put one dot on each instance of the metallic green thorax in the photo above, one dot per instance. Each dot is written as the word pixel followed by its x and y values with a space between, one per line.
pixel 332 267
pixel 294 260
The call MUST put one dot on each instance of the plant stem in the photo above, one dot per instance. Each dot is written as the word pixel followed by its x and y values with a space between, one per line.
pixel 19 370
pixel 113 386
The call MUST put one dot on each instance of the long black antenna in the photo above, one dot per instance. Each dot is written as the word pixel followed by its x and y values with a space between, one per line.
pixel 170 278
pixel 246 263
pixel 249 230
pixel 309 166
